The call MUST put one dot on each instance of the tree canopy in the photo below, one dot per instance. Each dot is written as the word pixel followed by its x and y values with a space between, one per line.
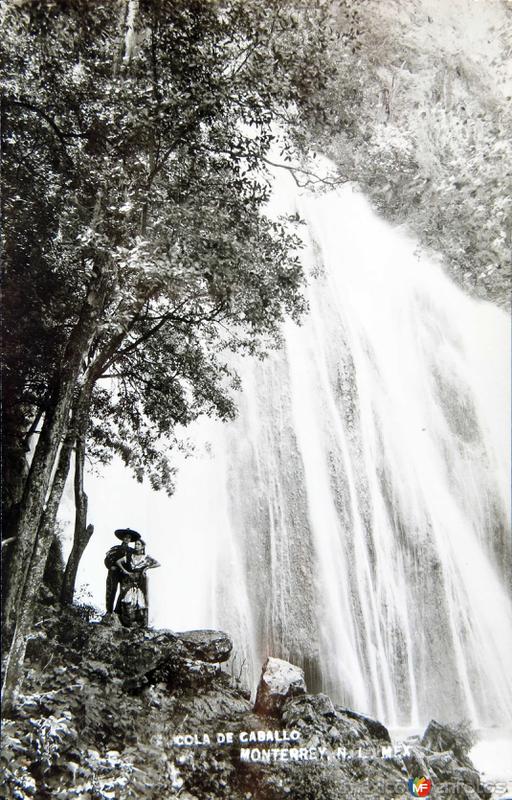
pixel 137 248
pixel 134 135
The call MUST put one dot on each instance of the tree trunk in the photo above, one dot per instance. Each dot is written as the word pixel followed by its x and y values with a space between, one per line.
pixel 80 542
pixel 127 20
pixel 38 524
pixel 35 544
pixel 54 429
pixel 24 618
pixel 26 600
pixel 82 532
pixel 14 663
pixel 28 590
pixel 16 432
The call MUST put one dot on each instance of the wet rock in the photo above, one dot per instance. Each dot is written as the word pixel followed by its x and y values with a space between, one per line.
pixel 470 779
pixel 442 765
pixel 309 709
pixel 444 738
pixel 449 763
pixel 376 729
pixel 279 681
pixel 468 776
pixel 320 721
pixel 211 646
pixel 416 762
pixel 218 702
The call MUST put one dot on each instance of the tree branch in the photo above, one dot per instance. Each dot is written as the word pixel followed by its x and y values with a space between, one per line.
pixel 332 182
pixel 31 107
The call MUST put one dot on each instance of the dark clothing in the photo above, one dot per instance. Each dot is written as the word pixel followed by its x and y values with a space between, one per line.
pixel 114 574
pixel 113 578
pixel 115 553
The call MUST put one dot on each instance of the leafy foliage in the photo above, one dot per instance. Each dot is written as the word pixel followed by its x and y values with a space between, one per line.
pixel 45 759
pixel 134 139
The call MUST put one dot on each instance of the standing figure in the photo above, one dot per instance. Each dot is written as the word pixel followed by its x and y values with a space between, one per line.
pixel 112 557
pixel 132 604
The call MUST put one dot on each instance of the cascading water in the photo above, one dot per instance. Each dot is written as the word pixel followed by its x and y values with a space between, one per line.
pixel 354 519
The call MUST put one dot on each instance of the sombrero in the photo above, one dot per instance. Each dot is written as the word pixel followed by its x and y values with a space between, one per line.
pixel 121 532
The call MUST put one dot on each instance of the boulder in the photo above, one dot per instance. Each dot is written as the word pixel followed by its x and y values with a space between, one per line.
pixel 416 762
pixel 445 738
pixel 133 652
pixel 128 651
pixel 279 681
pixel 375 728
pixel 214 647
pixel 315 709
pixel 336 727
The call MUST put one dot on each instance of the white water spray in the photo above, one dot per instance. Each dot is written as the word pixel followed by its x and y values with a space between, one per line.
pixel 354 519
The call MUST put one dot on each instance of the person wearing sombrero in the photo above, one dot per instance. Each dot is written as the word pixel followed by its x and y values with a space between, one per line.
pixel 114 575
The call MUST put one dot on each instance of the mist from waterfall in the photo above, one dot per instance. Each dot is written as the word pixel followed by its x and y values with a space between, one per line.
pixel 354 519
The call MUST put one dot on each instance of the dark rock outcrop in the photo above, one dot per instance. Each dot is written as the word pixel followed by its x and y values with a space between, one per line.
pixel 152 714
pixel 442 738
pixel 374 728
pixel 212 646
pixel 446 748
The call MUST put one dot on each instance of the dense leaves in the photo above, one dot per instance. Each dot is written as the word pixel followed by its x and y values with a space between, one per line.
pixel 134 139
pixel 138 252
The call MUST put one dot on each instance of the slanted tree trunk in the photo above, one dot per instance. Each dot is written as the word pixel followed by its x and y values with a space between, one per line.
pixel 26 599
pixel 15 467
pixel 14 662
pixel 54 430
pixel 82 532
pixel 80 541
pixel 24 584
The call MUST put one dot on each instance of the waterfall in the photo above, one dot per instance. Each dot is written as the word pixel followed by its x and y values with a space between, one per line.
pixel 354 518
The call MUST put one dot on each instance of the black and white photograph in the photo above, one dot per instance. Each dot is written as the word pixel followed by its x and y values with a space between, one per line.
pixel 256 399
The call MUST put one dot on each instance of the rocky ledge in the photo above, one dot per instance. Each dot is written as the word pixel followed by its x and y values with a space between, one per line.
pixel 108 712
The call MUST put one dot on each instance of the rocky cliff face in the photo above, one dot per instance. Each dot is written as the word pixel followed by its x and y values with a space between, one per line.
pixel 108 712
pixel 420 118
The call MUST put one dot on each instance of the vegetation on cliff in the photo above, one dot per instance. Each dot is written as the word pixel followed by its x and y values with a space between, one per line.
pixel 137 251
pixel 419 115
pixel 104 709
pixel 136 136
